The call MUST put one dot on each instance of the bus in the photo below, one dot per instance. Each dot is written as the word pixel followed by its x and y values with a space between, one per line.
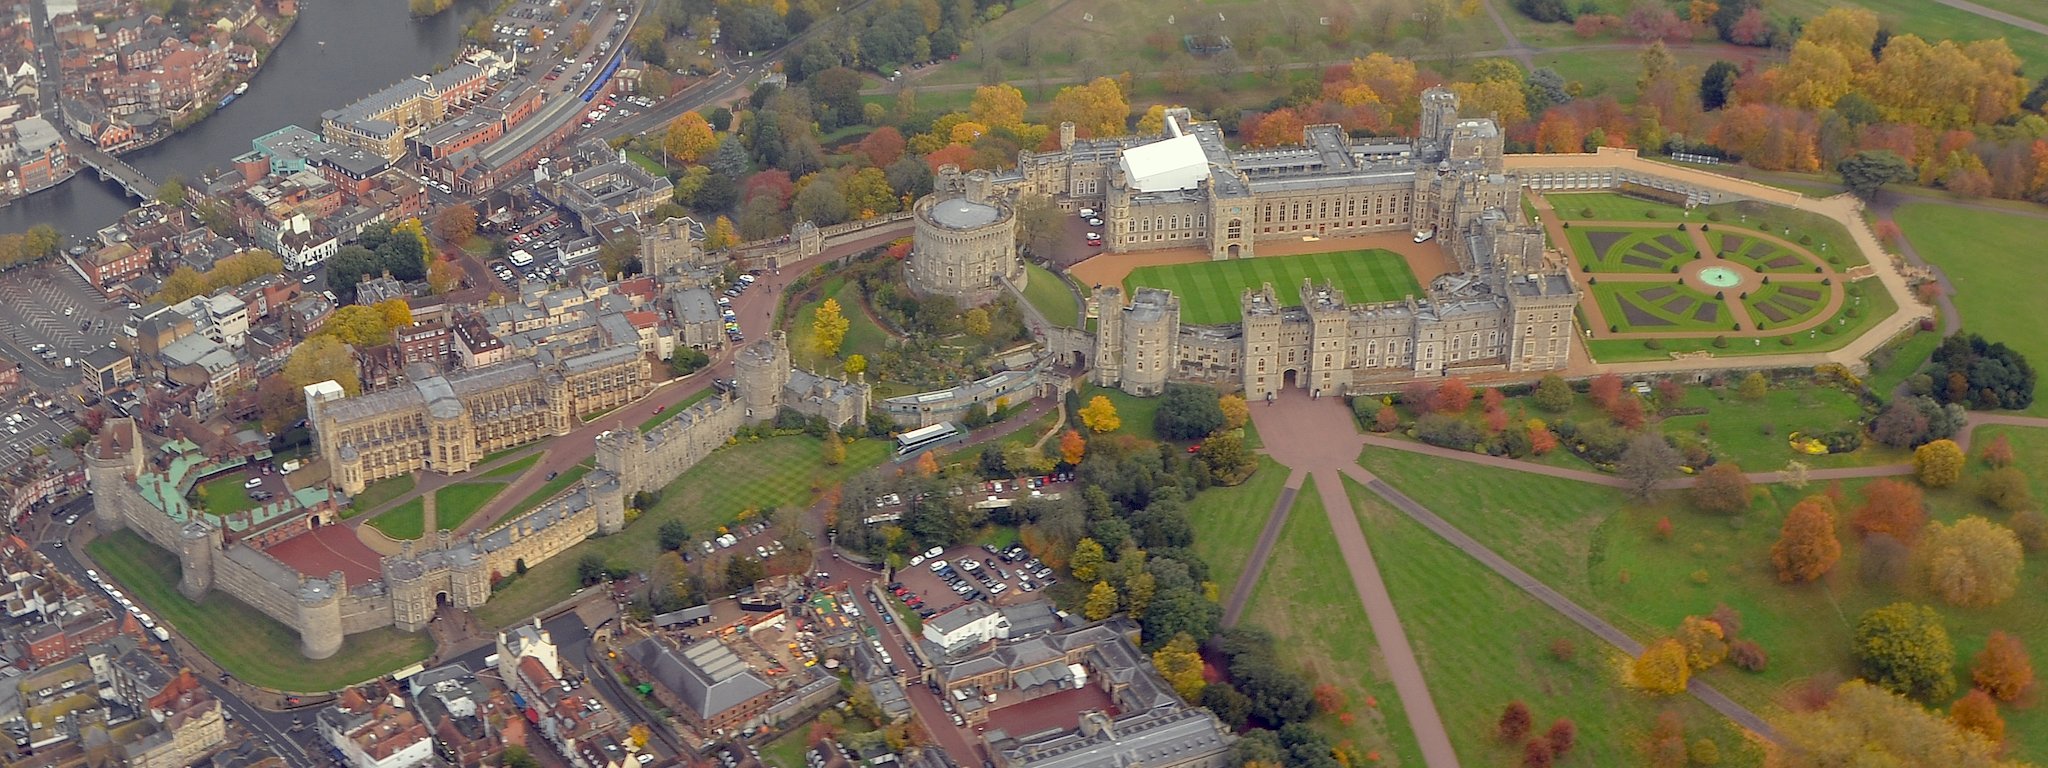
pixel 915 441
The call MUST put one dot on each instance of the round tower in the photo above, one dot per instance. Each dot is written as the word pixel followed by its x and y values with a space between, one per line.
pixel 320 616
pixel 609 497
pixel 761 371
pixel 197 544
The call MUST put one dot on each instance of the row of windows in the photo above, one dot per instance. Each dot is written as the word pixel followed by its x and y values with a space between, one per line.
pixel 1171 222
pixel 1348 207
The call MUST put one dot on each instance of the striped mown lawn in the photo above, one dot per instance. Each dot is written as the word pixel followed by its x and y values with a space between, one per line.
pixel 1209 291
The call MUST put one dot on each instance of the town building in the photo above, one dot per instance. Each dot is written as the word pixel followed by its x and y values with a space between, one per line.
pixel 381 121
pixel 704 683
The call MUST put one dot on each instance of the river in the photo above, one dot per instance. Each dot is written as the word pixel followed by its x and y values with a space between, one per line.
pixel 339 51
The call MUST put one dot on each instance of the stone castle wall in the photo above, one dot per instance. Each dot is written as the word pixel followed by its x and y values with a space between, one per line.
pixel 258 579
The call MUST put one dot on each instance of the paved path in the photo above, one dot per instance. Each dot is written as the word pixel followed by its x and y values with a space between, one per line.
pixel 1276 520
pixel 1515 48
pixel 1997 15
pixel 1321 440
pixel 1317 438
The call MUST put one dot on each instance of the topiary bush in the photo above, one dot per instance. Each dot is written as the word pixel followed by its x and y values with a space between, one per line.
pixel 1787 340
pixel 1654 344
pixel 1586 212
pixel 1720 342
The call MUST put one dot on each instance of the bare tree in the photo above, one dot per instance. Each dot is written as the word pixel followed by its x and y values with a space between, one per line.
pixel 1647 461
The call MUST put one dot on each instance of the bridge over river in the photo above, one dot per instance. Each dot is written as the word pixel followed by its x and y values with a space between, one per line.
pixel 134 182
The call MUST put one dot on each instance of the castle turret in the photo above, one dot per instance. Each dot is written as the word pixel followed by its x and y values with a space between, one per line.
pixel 198 542
pixel 1066 136
pixel 319 622
pixel 112 463
pixel 762 370
pixel 610 500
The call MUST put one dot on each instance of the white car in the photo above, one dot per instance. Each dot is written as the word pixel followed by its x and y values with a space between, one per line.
pixel 254 482
pixel 938 565
pixel 916 561
pixel 1087 213
pixel 934 552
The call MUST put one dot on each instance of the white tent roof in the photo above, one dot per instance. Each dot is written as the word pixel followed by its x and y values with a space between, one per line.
pixel 1165 166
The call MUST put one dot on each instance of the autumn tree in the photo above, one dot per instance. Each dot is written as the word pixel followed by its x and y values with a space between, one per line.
pixel 1807 548
pixel 1101 602
pixel 722 235
pixel 1180 663
pixel 1976 712
pixel 1938 464
pixel 1537 754
pixel 1722 489
pixel 1892 508
pixel 1515 722
pixel 443 276
pixel 323 358
pixel 856 364
pixel 997 106
pixel 1087 559
pixel 1753 388
pixel 1562 736
pixel 1605 390
pixel 1097 109
pixel 883 147
pixel 456 223
pixel 689 138
pixel 1453 396
pixel 279 402
pixel 834 450
pixel 1973 563
pixel 2005 488
pixel 1866 725
pixel 1903 648
pixel 1661 668
pixel 1705 642
pixel 1073 447
pixel 1646 461
pixel 1386 420
pixel 2003 669
pixel 1235 411
pixel 1997 454
pixel 1099 415
pixel 927 464
pixel 828 328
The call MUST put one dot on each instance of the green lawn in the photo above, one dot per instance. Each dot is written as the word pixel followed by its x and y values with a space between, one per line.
pixel 1137 413
pixel 456 503
pixel 1868 300
pixel 557 485
pixel 242 640
pixel 1308 577
pixel 1661 307
pixel 1907 357
pixel 224 495
pixel 1757 254
pixel 516 468
pixel 1934 21
pixel 1051 296
pixel 1989 257
pixel 1754 434
pixel 405 521
pixel 670 412
pixel 1210 291
pixel 863 336
pixel 1597 548
pixel 379 493
pixel 1227 521
pixel 1483 643
pixel 785 473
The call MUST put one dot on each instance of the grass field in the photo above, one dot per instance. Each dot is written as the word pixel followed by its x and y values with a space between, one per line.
pixel 1907 357
pixel 1209 291
pixel 785 473
pixel 1660 307
pixel 1989 258
pixel 225 495
pixel 514 469
pixel 1482 643
pixel 405 521
pixel 862 335
pixel 1137 413
pixel 456 503
pixel 1934 21
pixel 545 492
pixel 379 493
pixel 1753 434
pixel 242 640
pixel 670 412
pixel 1227 521
pixel 1597 548
pixel 1047 292
pixel 1308 577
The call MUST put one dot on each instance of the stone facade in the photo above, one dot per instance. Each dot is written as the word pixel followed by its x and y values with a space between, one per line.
pixel 964 243
pixel 446 423
pixel 1509 308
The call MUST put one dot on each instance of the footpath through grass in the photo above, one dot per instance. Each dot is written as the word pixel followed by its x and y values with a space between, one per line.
pixel 516 468
pixel 1047 292
pixel 1482 643
pixel 1227 521
pixel 1210 291
pixel 784 473
pixel 1309 577
pixel 1993 261
pixel 1605 552
pixel 246 643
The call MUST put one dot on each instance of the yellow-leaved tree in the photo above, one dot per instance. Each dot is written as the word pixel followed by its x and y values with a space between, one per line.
pixel 1100 415
pixel 828 328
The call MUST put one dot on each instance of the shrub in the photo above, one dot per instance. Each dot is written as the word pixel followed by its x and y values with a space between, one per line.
pixel 1720 342
pixel 1748 656
pixel 2032 529
pixel 1447 432
pixel 1654 344
pixel 1586 212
